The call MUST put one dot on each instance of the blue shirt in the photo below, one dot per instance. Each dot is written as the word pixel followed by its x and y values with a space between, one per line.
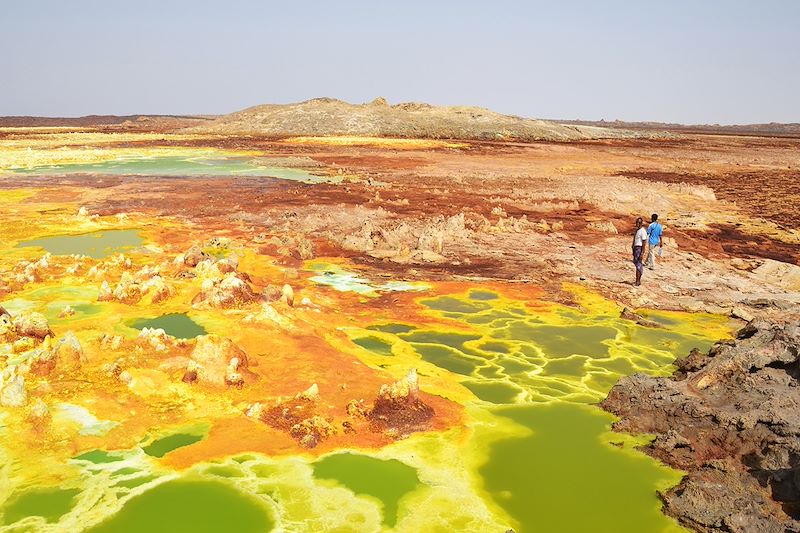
pixel 654 230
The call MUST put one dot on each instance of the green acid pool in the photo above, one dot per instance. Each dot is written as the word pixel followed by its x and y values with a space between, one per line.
pixel 565 475
pixel 386 480
pixel 191 505
pixel 49 503
pixel 177 165
pixel 161 446
pixel 179 325
pixel 51 301
pixel 97 244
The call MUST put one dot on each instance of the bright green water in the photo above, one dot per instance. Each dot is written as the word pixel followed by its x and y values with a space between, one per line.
pixel 178 325
pixel 386 480
pixel 565 477
pixel 451 339
pixel 97 245
pixel 455 305
pixel 482 295
pixel 49 503
pixel 98 457
pixel 50 301
pixel 561 341
pixel 374 344
pixel 534 452
pixel 560 355
pixel 448 358
pixel 196 506
pixel 177 166
pixel 164 445
pixel 494 346
pixel 392 328
pixel 494 392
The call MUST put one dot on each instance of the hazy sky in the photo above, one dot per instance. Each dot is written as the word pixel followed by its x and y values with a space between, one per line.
pixel 692 61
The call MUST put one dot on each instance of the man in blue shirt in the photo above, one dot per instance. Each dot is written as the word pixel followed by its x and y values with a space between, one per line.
pixel 654 231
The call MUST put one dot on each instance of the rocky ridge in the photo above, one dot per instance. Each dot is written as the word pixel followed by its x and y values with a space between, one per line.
pixel 329 116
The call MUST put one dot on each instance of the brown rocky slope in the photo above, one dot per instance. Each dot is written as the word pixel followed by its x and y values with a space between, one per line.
pixel 328 116
pixel 731 419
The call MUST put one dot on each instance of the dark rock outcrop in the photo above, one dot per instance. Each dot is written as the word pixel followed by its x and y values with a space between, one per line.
pixel 731 419
pixel 298 416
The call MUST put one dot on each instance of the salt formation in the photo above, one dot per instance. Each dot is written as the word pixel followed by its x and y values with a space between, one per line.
pixel 214 357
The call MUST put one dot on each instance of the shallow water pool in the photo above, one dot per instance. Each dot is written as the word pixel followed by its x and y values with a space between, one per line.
pixel 196 505
pixel 176 165
pixel 386 480
pixel 564 475
pixel 49 503
pixel 97 245
pixel 179 325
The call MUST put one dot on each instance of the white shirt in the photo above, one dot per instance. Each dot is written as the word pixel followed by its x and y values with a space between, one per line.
pixel 640 237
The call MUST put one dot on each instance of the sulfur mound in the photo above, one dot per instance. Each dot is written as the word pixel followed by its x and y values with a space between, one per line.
pixel 12 388
pixel 217 361
pixel 398 410
pixel 229 291
pixel 31 324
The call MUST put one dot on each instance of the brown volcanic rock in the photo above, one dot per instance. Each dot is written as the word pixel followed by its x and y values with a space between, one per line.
pixel 298 416
pixel 328 116
pixel 732 419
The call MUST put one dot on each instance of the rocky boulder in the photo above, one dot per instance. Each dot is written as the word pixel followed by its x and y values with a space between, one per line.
pixel 217 361
pixel 229 291
pixel 731 418
pixel 194 255
pixel 32 324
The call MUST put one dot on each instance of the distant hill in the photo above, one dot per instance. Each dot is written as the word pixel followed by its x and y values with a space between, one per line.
pixel 328 116
pixel 772 129
pixel 133 122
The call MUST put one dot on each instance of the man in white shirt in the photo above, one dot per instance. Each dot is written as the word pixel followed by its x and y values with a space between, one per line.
pixel 639 239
